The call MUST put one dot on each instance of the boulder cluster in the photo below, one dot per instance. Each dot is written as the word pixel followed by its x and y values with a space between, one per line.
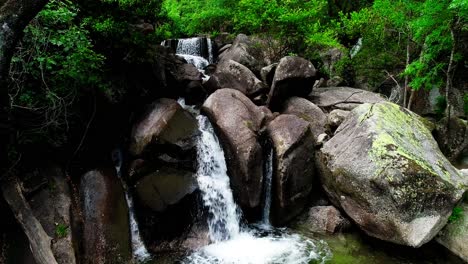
pixel 372 164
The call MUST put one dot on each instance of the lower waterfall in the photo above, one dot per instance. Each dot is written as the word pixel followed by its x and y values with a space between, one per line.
pixel 139 251
pixel 230 242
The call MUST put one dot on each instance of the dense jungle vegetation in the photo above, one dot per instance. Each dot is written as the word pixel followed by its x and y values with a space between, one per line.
pixel 74 50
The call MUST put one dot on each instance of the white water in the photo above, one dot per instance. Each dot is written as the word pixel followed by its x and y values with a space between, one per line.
pixel 199 62
pixel 191 50
pixel 140 253
pixel 232 244
pixel 213 181
pixel 268 181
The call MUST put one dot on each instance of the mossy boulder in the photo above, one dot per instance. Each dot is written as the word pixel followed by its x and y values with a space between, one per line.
pixel 385 170
pixel 455 235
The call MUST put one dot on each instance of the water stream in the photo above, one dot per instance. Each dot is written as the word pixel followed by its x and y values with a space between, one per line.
pixel 139 251
pixel 230 241
pixel 268 182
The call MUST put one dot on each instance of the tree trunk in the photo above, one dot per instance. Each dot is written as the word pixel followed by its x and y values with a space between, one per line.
pixel 405 89
pixel 15 15
pixel 448 84
pixel 39 241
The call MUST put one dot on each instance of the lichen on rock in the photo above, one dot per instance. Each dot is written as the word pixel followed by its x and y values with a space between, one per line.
pixel 386 171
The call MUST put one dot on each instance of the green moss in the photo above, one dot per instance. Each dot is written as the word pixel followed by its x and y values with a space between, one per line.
pixel 457 214
pixel 249 124
pixel 398 137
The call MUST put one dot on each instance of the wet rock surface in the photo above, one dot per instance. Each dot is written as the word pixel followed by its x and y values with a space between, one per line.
pixel 237 122
pixel 293 170
pixel 106 229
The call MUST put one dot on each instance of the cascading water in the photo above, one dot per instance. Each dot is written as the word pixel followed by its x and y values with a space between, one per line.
pixel 223 220
pixel 232 244
pixel 139 250
pixel 268 182
pixel 197 51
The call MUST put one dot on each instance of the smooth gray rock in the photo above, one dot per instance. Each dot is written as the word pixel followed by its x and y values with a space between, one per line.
pixel 106 229
pixel 237 122
pixel 294 76
pixel 244 51
pixel 165 187
pixel 231 74
pixel 344 98
pixel 454 236
pixel 384 169
pixel 294 169
pixel 308 111
pixel 335 118
pixel 326 220
pixel 166 122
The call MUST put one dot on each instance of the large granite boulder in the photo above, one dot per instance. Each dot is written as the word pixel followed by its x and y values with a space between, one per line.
pixel 384 169
pixel 294 76
pixel 106 229
pixel 165 122
pixel 344 98
pixel 165 187
pixel 237 122
pixel 52 207
pixel 293 169
pixel 231 74
pixel 244 51
pixel 455 235
pixel 308 111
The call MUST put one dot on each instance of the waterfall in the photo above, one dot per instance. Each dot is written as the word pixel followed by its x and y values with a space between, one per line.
pixel 213 181
pixel 140 253
pixel 231 243
pixel 268 183
pixel 199 62
pixel 197 51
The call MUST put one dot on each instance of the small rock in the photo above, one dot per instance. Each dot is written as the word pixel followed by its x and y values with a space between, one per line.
pixel 321 139
pixel 335 118
pixel 326 219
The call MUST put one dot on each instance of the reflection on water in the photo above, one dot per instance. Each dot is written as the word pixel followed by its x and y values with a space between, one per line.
pixel 356 247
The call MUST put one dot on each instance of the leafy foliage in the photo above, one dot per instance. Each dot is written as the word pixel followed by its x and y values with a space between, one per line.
pixel 53 62
pixel 61 230
pixel 457 214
